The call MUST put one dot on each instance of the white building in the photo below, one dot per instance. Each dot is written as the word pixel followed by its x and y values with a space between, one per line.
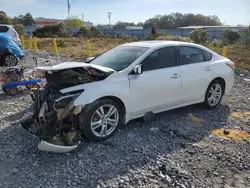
pixel 134 27
pixel 88 24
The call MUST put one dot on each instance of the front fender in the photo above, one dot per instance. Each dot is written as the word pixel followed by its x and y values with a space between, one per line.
pixel 95 90
pixel 16 52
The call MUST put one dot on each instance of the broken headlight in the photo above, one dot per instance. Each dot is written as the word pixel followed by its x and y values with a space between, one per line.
pixel 65 100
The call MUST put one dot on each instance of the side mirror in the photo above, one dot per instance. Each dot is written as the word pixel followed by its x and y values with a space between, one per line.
pixel 138 69
pixel 89 59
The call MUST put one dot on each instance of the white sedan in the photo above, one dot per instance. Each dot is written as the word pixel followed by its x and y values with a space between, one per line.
pixel 130 81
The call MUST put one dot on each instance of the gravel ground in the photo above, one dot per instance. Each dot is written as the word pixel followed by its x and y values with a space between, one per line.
pixel 169 151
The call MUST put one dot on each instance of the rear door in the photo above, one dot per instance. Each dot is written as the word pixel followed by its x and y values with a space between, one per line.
pixel 159 85
pixel 197 72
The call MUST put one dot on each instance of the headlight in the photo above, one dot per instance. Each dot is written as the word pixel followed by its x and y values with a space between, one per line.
pixel 65 100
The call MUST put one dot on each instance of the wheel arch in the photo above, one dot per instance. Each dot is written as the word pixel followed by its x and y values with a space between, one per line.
pixel 222 81
pixel 5 54
pixel 116 99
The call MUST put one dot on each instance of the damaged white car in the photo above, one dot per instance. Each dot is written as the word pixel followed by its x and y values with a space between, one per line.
pixel 122 84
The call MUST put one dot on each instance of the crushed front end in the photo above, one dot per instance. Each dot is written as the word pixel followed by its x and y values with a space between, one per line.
pixel 55 118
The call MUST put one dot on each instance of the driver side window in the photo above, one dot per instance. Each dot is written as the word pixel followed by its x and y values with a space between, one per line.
pixel 162 58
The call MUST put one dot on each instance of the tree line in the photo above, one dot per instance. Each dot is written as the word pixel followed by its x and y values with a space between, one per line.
pixel 171 21
pixel 25 20
pixel 28 20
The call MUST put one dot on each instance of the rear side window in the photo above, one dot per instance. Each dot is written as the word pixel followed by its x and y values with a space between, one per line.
pixel 190 55
pixel 208 56
pixel 3 29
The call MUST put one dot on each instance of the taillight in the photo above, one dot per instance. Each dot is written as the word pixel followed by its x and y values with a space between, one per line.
pixel 231 64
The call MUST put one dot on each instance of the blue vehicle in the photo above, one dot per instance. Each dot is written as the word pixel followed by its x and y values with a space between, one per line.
pixel 10 52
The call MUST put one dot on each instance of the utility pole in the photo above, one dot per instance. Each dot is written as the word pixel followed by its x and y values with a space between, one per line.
pixel 83 17
pixel 109 16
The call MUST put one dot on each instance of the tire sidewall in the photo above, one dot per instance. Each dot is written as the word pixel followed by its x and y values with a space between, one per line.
pixel 4 59
pixel 207 105
pixel 87 113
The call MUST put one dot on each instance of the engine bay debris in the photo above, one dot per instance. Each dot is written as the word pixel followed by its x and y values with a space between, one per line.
pixel 55 120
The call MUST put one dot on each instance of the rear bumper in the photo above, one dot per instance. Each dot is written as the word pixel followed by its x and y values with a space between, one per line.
pixel 229 82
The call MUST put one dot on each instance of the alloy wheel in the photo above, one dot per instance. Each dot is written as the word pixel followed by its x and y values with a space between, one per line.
pixel 10 60
pixel 215 94
pixel 104 120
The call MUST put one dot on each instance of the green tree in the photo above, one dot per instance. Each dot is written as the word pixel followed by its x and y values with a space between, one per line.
pixel 140 24
pixel 73 22
pixel 122 25
pixel 230 37
pixel 28 20
pixel 18 20
pixel 175 20
pixel 4 19
pixel 58 30
pixel 199 36
pixel 19 29
pixel 246 37
pixel 95 32
pixel 83 31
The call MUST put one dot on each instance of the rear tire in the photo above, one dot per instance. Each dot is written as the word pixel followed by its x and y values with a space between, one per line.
pixel 214 95
pixel 95 122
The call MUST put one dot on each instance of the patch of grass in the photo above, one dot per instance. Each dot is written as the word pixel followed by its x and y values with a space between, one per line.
pixel 76 47
pixel 231 134
pixel 240 56
pixel 61 43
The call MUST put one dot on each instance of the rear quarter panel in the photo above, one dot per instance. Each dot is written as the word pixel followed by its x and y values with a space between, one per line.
pixel 224 71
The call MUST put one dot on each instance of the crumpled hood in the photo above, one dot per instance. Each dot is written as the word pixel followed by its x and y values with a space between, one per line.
pixel 69 65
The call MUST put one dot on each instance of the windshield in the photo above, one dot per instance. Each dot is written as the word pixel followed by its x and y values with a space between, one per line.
pixel 119 57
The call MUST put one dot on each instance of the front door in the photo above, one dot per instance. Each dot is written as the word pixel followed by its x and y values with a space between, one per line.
pixel 159 85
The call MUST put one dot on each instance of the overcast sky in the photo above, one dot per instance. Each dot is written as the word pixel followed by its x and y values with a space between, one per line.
pixel 233 12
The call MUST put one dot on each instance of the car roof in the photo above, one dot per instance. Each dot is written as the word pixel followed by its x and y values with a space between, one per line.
pixel 158 43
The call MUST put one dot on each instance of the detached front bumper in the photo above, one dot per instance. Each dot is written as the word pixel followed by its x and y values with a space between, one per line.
pixel 54 124
pixel 45 146
pixel 31 129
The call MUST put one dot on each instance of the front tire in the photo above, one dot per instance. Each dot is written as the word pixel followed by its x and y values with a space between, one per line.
pixel 214 94
pixel 9 60
pixel 100 120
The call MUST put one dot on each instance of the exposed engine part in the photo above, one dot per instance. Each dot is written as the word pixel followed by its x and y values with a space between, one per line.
pixel 77 110
pixel 55 120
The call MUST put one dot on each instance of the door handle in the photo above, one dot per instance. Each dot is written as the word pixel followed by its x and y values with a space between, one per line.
pixel 208 69
pixel 175 76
